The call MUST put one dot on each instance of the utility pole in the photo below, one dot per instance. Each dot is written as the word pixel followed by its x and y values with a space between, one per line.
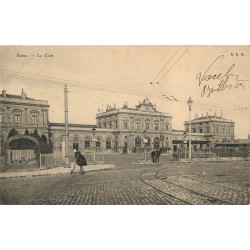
pixel 66 127
pixel 190 144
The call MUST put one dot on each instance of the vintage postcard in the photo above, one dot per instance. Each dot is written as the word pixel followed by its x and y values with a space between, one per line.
pixel 125 125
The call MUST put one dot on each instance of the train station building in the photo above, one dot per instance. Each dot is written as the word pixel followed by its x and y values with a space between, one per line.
pixel 25 130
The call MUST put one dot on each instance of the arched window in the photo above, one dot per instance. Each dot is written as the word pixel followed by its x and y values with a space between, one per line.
pixel 108 143
pixel 156 126
pixel 75 143
pixel 98 143
pixel 51 142
pixel 137 142
pixel 156 143
pixel 87 143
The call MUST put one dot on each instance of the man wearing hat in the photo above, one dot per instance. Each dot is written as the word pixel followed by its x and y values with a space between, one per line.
pixel 80 161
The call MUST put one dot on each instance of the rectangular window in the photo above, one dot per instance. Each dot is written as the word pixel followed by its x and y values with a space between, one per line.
pixel 137 125
pixel 105 125
pixel 116 124
pixel 45 117
pixel 156 126
pixel 147 126
pixel 34 119
pixel 1 117
pixel 200 130
pixel 110 124
pixel 125 125
pixel 17 118
pixel 166 127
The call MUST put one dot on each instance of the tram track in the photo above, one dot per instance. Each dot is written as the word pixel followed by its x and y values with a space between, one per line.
pixel 231 196
pixel 210 199
pixel 169 197
pixel 215 184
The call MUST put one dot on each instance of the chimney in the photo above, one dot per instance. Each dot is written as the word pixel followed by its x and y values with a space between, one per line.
pixel 23 94
pixel 4 93
pixel 221 113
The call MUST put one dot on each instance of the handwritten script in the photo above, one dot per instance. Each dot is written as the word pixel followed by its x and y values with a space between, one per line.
pixel 211 82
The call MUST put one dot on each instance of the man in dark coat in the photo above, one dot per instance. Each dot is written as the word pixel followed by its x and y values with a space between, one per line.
pixel 156 156
pixel 80 161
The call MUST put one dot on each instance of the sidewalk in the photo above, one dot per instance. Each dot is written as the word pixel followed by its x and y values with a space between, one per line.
pixel 52 171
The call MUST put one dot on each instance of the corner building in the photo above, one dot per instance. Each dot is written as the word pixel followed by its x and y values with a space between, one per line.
pixel 20 117
pixel 21 112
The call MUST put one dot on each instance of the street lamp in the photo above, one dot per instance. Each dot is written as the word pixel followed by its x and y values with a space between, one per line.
pixel 162 141
pixel 185 144
pixel 190 107
pixel 145 142
pixel 94 140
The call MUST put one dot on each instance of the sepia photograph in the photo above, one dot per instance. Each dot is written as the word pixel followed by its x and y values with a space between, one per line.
pixel 125 125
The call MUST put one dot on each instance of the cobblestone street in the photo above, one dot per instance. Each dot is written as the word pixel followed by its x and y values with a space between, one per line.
pixel 161 184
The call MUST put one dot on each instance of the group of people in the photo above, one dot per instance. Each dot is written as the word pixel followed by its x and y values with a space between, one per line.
pixel 155 155
pixel 81 161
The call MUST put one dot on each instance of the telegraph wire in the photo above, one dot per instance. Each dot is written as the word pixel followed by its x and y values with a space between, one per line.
pixel 169 96
pixel 175 63
pixel 167 63
pixel 78 84
pixel 75 84
pixel 163 95
pixel 206 108
pixel 166 92
pixel 183 102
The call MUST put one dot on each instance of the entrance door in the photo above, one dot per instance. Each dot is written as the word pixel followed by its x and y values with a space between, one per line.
pixel 22 152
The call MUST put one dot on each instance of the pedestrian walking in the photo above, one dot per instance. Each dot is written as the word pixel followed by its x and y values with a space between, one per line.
pixel 80 161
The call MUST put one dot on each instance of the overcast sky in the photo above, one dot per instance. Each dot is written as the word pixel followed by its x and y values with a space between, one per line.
pixel 98 76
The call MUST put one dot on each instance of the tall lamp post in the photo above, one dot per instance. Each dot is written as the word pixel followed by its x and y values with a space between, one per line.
pixel 145 142
pixel 162 141
pixel 185 144
pixel 190 108
pixel 94 140
pixel 66 127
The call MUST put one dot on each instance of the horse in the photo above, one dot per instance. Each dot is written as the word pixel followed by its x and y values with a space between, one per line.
pixel 155 155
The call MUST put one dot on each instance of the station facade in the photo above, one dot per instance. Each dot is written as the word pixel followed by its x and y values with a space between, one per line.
pixel 116 129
